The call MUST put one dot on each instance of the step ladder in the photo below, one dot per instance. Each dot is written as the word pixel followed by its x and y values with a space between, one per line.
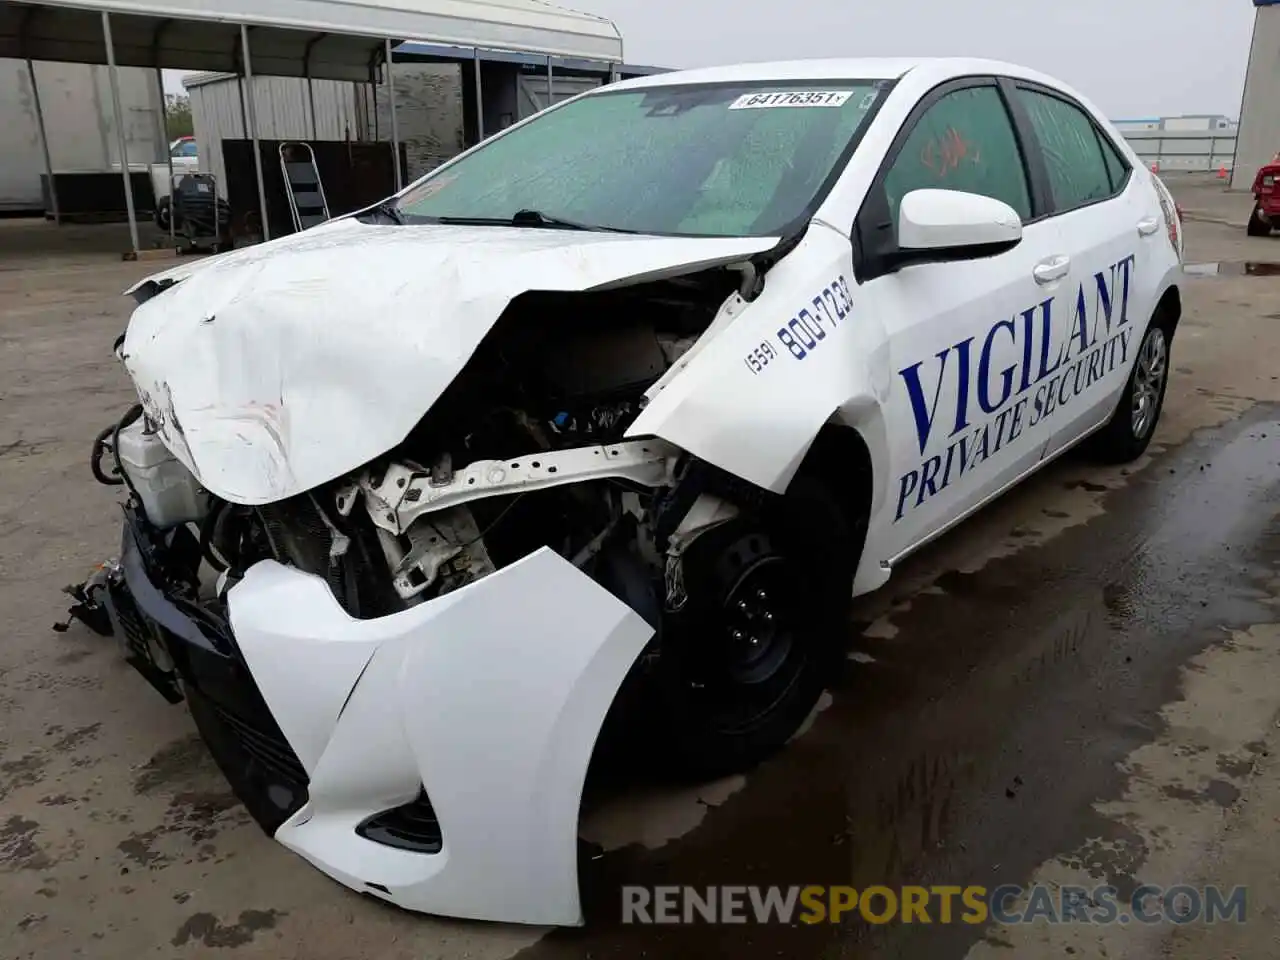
pixel 307 203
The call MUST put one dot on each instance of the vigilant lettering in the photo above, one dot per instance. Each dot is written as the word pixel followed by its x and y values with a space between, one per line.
pixel 992 407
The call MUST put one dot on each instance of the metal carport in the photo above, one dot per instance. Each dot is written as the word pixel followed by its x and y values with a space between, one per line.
pixel 551 66
pixel 329 39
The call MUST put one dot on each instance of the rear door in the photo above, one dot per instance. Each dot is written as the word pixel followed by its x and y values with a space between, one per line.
pixel 1101 212
pixel 966 339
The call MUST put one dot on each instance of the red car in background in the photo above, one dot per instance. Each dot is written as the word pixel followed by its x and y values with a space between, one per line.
pixel 1266 197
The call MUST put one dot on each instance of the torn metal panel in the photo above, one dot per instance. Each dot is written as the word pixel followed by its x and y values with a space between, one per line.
pixel 289 364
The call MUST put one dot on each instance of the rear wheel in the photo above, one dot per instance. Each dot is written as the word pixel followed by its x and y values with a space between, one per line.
pixel 741 666
pixel 1258 227
pixel 1131 427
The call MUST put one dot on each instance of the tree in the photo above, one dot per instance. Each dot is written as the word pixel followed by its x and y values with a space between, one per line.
pixel 178 110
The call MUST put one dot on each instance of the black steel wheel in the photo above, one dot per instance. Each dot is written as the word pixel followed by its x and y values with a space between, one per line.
pixel 741 665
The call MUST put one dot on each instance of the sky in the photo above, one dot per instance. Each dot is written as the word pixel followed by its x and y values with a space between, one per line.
pixel 1133 58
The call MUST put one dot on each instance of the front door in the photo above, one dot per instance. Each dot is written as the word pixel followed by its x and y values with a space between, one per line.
pixel 968 341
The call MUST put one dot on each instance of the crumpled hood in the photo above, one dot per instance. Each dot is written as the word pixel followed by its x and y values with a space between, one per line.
pixel 281 366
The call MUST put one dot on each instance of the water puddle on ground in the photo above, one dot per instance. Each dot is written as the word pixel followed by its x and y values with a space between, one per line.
pixel 989 737
pixel 1232 268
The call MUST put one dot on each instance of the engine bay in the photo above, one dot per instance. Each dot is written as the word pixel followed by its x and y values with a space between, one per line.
pixel 523 450
pixel 566 369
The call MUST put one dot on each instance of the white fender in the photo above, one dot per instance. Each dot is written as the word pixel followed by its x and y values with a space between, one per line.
pixel 749 406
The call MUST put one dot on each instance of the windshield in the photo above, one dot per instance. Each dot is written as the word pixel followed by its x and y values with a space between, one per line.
pixel 746 159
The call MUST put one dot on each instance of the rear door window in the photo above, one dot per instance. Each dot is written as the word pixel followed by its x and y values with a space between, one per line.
pixel 1117 166
pixel 1073 154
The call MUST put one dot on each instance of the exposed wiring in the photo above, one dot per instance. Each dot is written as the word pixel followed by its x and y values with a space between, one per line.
pixel 101 445
pixel 494 522
pixel 209 531
pixel 109 440
pixel 129 418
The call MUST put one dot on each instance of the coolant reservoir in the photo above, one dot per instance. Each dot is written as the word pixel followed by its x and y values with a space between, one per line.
pixel 169 492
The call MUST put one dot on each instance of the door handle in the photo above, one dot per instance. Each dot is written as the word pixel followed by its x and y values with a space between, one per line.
pixel 1148 226
pixel 1055 268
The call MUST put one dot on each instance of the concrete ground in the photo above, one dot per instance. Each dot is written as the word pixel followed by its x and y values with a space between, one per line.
pixel 1205 199
pixel 1080 684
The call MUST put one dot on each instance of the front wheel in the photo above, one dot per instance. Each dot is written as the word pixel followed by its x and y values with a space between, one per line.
pixel 1128 433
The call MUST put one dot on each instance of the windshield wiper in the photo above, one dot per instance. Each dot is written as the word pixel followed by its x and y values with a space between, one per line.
pixel 389 210
pixel 531 218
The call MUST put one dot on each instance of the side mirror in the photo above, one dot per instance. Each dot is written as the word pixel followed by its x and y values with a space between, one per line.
pixel 937 225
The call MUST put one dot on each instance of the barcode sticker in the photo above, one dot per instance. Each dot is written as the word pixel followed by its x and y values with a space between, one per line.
pixel 792 98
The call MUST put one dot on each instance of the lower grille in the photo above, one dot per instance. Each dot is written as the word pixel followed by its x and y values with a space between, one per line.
pixel 135 633
pixel 262 768
pixel 228 708
pixel 275 754
pixel 411 826
pixel 136 641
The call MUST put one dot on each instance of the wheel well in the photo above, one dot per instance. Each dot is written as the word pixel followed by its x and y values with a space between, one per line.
pixel 840 458
pixel 1168 312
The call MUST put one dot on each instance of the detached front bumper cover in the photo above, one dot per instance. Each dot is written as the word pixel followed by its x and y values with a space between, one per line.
pixel 479 709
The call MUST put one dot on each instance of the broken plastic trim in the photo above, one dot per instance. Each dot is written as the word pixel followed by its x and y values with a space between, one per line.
pixel 148 289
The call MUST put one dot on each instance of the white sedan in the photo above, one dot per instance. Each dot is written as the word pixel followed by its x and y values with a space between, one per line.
pixel 588 437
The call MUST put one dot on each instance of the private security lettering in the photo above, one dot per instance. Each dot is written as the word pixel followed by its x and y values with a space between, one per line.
pixel 993 408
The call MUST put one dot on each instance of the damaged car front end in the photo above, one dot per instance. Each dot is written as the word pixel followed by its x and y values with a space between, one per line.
pixel 398 531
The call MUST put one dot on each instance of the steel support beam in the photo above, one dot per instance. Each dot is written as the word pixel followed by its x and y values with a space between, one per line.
pixel 44 142
pixel 168 154
pixel 479 99
pixel 311 101
pixel 395 126
pixel 311 90
pixel 120 132
pixel 253 130
pixel 163 124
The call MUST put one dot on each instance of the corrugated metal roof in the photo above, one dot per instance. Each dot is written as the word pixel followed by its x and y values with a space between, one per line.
pixel 339 39
pixel 444 53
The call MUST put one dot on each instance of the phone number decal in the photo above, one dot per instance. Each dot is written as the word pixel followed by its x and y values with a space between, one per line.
pixel 808 328
pixel 760 357
pixel 805 332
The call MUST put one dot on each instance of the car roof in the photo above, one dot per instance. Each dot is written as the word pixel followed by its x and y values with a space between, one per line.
pixel 891 68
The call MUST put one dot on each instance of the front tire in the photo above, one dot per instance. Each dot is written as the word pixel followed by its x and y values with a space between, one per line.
pixel 742 665
pixel 1128 433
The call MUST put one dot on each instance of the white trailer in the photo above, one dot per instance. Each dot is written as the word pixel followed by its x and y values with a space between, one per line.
pixel 75 99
